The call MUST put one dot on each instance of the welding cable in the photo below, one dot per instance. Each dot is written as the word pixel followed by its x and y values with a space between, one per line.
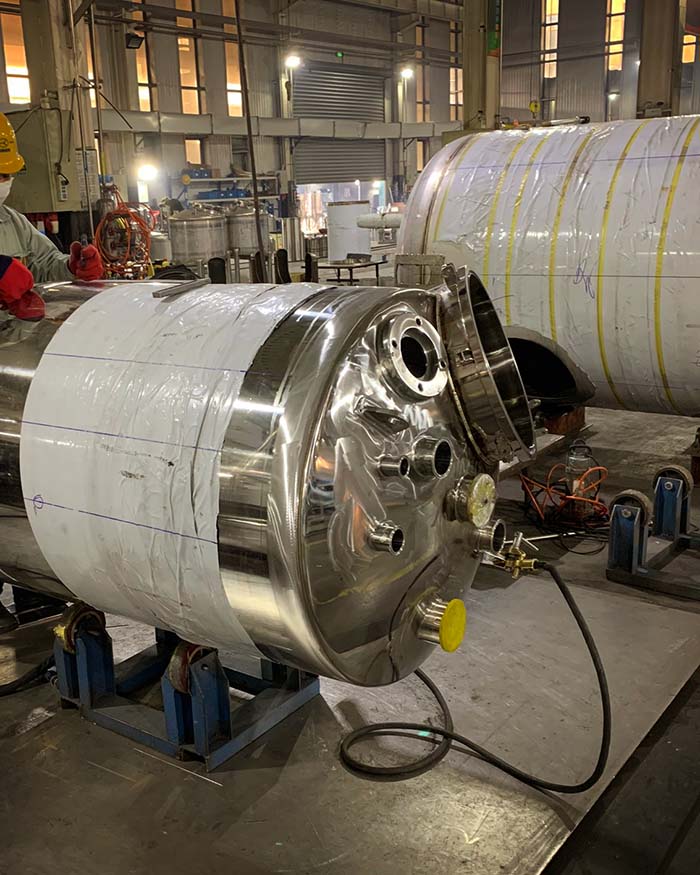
pixel 34 675
pixel 426 732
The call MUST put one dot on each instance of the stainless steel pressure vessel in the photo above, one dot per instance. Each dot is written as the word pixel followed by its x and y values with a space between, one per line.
pixel 287 471
pixel 586 238
pixel 242 231
pixel 197 235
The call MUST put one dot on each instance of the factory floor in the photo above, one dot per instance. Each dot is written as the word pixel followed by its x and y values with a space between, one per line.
pixel 77 798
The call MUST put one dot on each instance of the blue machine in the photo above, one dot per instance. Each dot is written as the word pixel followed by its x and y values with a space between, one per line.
pixel 197 718
pixel 637 551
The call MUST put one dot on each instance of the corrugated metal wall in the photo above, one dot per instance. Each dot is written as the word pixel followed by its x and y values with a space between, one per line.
pixel 520 82
pixel 438 36
pixel 331 17
pixel 166 64
pixel 263 82
pixel 581 73
pixel 212 63
pixel 581 70
pixel 317 160
pixel 338 93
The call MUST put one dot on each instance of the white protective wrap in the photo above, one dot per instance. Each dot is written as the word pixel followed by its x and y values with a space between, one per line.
pixel 587 234
pixel 121 442
pixel 344 235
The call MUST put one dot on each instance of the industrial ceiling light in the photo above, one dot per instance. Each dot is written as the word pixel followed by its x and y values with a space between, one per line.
pixel 407 73
pixel 133 40
pixel 291 62
pixel 147 172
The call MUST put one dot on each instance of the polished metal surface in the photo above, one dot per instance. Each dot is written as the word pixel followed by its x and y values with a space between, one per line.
pixel 324 555
pixel 483 371
pixel 333 479
pixel 197 235
pixel 242 233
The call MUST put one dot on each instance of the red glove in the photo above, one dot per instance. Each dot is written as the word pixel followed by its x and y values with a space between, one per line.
pixel 30 307
pixel 16 295
pixel 85 262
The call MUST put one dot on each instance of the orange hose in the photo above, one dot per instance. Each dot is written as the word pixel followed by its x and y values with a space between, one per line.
pixel 135 243
pixel 561 500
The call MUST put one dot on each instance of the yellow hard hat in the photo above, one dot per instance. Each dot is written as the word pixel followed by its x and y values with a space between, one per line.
pixel 10 159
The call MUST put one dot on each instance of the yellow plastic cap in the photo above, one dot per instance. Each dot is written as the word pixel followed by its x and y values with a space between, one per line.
pixel 453 625
pixel 10 160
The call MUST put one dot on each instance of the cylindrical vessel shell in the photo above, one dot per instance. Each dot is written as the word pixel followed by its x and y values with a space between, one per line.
pixel 587 235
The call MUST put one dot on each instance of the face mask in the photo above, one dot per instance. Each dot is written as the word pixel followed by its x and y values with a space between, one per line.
pixel 5 187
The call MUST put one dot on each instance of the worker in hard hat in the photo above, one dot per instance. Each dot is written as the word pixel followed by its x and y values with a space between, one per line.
pixel 21 242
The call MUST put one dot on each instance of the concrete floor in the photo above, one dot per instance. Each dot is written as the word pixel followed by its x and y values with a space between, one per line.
pixel 78 799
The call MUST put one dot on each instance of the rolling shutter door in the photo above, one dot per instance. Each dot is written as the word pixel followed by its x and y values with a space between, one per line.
pixel 338 93
pixel 326 160
pixel 346 93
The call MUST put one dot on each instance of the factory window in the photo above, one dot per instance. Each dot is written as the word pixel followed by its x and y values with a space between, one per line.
pixel 614 47
pixel 193 150
pixel 421 160
pixel 191 92
pixel 690 48
pixel 143 68
pixel 614 34
pixel 422 79
pixel 91 77
pixel 688 97
pixel 456 81
pixel 233 70
pixel 549 40
pixel 15 58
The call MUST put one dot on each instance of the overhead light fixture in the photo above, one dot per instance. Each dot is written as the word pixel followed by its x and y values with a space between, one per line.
pixel 133 40
pixel 612 96
pixel 291 62
pixel 407 73
pixel 147 172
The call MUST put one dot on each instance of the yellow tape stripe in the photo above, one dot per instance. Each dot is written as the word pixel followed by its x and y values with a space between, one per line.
pixel 601 259
pixel 514 219
pixel 555 234
pixel 446 182
pixel 494 207
pixel 660 253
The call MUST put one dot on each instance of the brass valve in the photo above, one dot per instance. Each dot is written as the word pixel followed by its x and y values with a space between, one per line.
pixel 513 558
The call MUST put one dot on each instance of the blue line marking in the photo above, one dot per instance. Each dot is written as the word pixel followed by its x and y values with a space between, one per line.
pixel 116 519
pixel 128 437
pixel 99 358
pixel 38 503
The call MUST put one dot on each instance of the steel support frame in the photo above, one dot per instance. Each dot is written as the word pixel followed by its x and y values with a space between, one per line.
pixel 638 557
pixel 198 723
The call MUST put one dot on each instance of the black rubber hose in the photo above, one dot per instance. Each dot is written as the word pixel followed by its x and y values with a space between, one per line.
pixel 450 737
pixel 33 676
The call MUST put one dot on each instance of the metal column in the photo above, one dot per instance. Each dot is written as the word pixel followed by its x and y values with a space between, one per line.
pixel 659 88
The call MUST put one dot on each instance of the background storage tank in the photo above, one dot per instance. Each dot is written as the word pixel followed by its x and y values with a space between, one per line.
pixel 284 471
pixel 242 231
pixel 587 240
pixel 196 235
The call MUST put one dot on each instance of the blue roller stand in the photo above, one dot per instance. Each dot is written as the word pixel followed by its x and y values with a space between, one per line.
pixel 637 556
pixel 197 717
